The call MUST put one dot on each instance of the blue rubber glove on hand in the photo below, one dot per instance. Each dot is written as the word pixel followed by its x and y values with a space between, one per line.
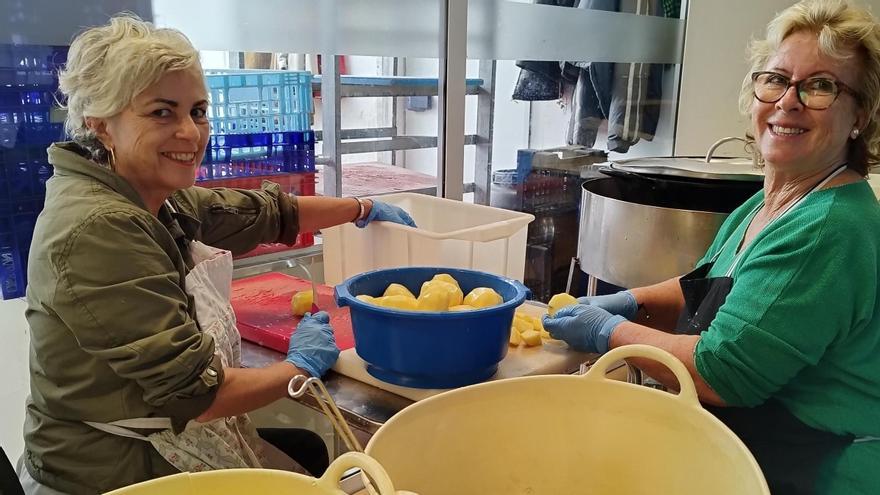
pixel 622 303
pixel 312 346
pixel 583 327
pixel 383 212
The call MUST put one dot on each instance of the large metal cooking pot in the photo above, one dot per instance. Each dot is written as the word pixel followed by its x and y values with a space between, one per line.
pixel 647 220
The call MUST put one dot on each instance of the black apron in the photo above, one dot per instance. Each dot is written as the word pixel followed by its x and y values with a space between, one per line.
pixel 789 452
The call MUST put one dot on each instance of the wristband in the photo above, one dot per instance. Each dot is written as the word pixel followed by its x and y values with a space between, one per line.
pixel 362 212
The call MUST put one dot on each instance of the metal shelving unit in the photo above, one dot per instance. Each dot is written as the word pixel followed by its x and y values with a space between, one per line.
pixel 337 141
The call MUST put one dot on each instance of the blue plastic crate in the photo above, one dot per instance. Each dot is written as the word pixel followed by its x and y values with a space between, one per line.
pixel 12 271
pixel 28 81
pixel 247 101
pixel 244 155
pixel 24 171
pixel 32 58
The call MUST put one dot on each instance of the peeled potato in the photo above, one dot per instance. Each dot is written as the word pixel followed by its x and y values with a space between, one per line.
pixel 522 325
pixel 483 297
pixel 515 339
pixel 455 294
pixel 522 331
pixel 397 302
pixel 301 302
pixel 462 307
pixel 560 301
pixel 398 290
pixel 536 323
pixel 531 338
pixel 445 277
pixel 433 301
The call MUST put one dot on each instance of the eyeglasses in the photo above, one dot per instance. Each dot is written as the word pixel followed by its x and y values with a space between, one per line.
pixel 817 93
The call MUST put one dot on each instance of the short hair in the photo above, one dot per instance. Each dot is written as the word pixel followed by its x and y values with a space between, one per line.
pixel 107 66
pixel 841 26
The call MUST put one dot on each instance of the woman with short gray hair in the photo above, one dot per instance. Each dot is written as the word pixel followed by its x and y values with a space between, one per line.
pixel 135 359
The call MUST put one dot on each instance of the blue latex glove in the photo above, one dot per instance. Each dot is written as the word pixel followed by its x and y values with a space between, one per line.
pixel 312 346
pixel 622 303
pixel 383 212
pixel 583 327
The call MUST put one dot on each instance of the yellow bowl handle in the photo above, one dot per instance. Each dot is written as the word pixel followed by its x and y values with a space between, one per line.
pixel 688 393
pixel 348 460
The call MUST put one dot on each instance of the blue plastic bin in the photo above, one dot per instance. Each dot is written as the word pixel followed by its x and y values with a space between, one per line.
pixel 430 350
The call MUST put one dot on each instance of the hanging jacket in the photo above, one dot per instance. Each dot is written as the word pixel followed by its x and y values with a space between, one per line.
pixel 540 80
pixel 627 95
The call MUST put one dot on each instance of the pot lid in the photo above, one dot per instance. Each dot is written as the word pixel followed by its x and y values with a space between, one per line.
pixel 692 167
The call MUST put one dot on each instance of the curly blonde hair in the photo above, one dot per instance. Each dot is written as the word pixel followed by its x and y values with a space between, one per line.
pixel 107 66
pixel 842 26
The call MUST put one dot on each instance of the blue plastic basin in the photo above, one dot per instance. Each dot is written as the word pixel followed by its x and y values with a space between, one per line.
pixel 430 350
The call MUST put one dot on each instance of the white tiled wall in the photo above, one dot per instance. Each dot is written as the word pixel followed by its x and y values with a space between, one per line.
pixel 13 375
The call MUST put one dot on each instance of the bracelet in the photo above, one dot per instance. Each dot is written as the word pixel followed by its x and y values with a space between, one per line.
pixel 360 215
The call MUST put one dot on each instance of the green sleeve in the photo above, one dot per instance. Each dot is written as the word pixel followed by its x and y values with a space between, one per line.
pixel 239 219
pixel 125 307
pixel 788 303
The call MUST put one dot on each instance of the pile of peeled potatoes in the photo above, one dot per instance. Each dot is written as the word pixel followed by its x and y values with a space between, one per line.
pixel 441 293
pixel 527 330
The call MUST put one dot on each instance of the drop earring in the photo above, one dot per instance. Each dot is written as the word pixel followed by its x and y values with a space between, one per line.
pixel 112 159
pixel 854 134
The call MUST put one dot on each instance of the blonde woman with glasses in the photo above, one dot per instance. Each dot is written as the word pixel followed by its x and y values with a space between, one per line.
pixel 779 324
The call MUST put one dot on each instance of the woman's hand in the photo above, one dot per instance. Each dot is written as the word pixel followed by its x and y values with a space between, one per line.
pixel 312 346
pixel 622 303
pixel 384 212
pixel 584 328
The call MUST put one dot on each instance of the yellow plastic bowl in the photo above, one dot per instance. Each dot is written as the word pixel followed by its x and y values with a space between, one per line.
pixel 240 481
pixel 548 435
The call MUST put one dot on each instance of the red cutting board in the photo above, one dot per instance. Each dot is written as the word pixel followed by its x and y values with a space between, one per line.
pixel 262 308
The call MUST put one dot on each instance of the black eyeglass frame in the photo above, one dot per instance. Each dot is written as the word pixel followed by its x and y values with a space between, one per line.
pixel 841 88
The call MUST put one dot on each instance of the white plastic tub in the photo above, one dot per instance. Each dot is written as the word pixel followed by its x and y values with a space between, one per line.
pixel 450 234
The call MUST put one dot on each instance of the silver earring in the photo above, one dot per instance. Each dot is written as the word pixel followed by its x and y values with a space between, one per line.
pixel 854 134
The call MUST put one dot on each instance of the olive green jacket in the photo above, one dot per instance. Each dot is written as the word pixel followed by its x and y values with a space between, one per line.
pixel 113 332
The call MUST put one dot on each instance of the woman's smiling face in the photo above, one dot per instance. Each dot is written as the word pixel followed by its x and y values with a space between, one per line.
pixel 160 138
pixel 797 139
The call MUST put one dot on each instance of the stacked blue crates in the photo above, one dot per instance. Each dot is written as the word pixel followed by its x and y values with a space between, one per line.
pixel 259 153
pixel 28 82
pixel 260 124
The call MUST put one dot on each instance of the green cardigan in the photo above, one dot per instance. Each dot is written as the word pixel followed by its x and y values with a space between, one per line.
pixel 802 322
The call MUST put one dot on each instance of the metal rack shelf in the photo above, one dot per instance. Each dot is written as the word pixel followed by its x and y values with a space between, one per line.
pixel 363 86
pixel 336 141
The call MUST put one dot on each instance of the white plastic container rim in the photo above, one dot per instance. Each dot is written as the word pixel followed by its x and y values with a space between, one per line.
pixel 501 228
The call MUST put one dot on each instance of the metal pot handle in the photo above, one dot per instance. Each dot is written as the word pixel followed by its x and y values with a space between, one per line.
pixel 688 393
pixel 718 143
